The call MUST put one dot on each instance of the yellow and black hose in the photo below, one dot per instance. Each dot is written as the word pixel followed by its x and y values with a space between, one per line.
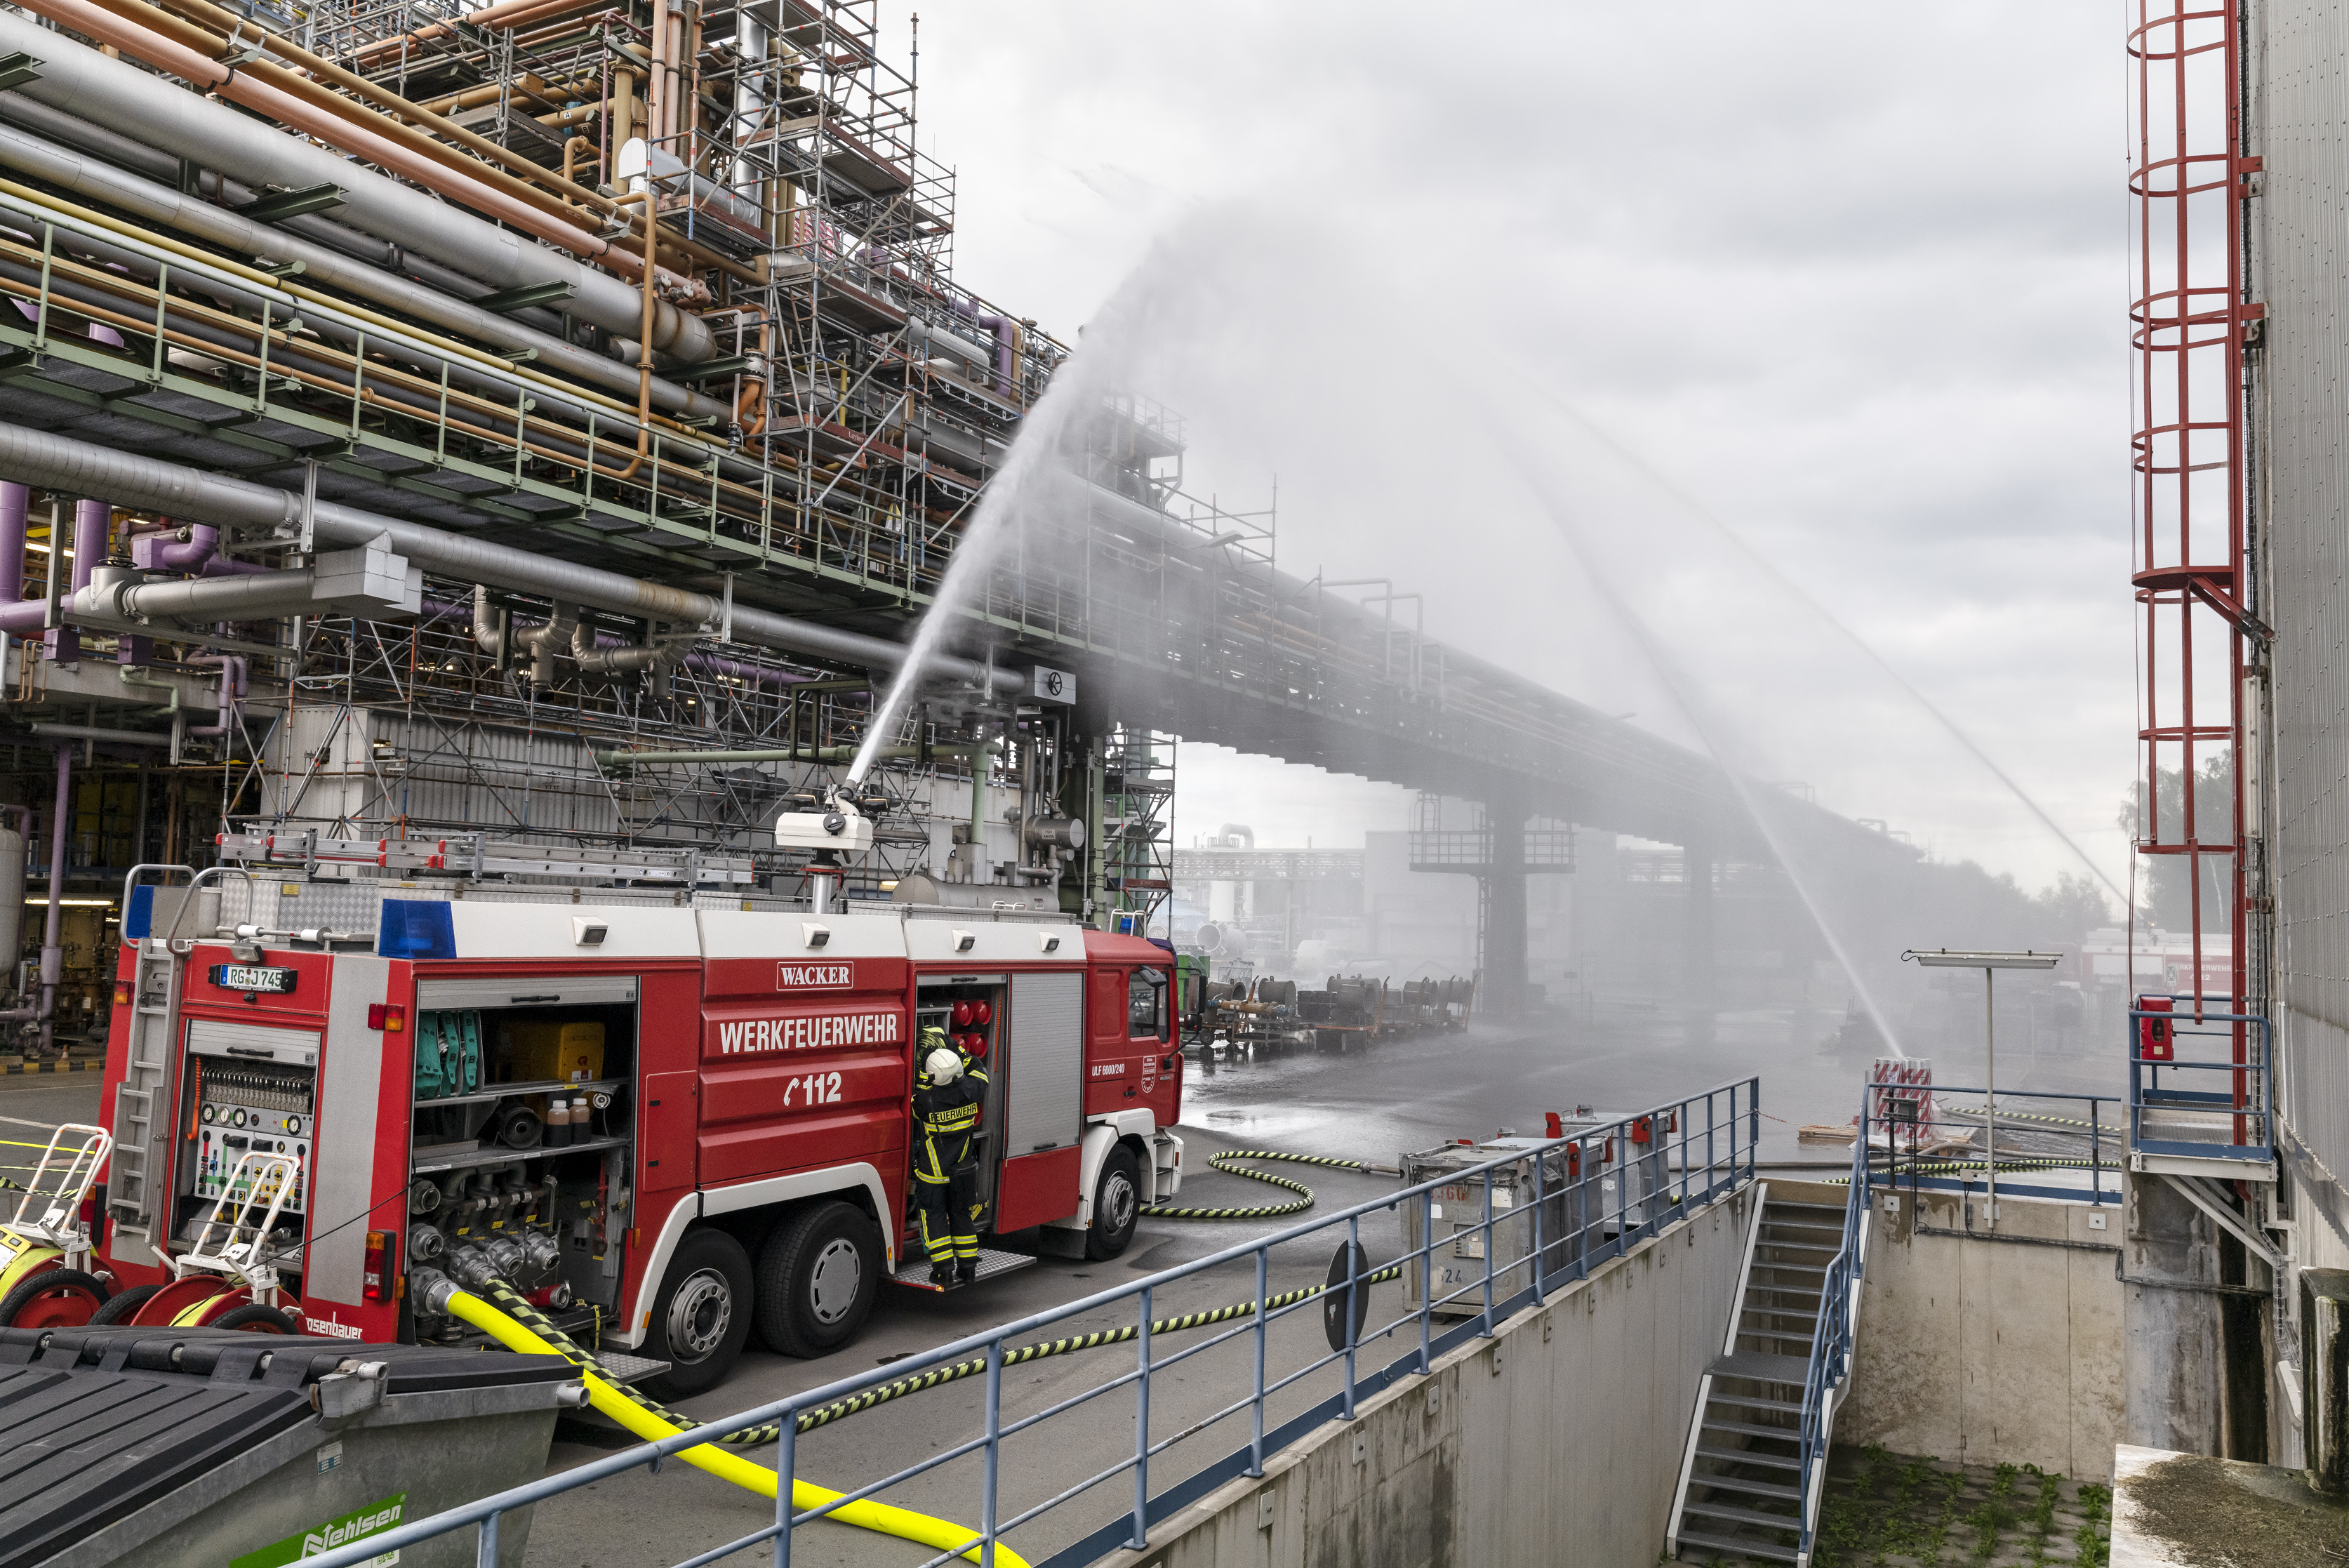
pixel 508 1299
pixel 856 1404
pixel 2025 1163
pixel 1223 1162
pixel 615 1402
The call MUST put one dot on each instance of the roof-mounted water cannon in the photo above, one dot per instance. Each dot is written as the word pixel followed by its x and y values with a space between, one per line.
pixel 840 828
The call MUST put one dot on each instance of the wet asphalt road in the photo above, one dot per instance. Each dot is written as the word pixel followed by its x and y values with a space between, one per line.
pixel 1369 1104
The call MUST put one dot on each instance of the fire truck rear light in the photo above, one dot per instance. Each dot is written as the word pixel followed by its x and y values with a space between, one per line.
pixel 389 1017
pixel 377 1272
pixel 122 993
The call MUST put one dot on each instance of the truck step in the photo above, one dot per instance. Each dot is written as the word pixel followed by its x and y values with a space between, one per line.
pixel 622 1367
pixel 913 1273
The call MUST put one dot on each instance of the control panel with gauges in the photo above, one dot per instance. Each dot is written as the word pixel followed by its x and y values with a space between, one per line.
pixel 250 1106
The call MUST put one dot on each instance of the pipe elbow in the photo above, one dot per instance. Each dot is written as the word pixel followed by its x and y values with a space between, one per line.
pixel 485 621
pixel 541 642
pixel 591 659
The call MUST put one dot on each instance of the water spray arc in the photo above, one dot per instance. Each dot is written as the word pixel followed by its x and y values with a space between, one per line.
pixel 1794 591
pixel 1701 718
pixel 1023 482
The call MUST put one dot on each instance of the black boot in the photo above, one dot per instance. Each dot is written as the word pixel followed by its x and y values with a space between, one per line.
pixel 967 1270
pixel 942 1273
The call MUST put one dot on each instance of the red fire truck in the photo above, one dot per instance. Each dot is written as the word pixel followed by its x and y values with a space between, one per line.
pixel 672 1123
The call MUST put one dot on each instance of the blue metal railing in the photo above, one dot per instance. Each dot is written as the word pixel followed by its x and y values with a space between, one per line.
pixel 1831 1338
pixel 1713 1133
pixel 2239 1111
pixel 2098 1124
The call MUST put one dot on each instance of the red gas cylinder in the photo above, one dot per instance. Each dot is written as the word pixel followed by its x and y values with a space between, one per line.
pixel 980 1011
pixel 962 1015
pixel 2154 1042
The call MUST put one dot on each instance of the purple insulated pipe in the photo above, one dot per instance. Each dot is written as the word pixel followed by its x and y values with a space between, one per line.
pixel 25 616
pixel 91 519
pixel 90 539
pixel 199 553
pixel 1005 328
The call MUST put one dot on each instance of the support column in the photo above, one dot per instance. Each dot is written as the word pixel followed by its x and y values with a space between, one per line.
pixel 1505 920
pixel 2173 1375
pixel 1697 953
pixel 90 522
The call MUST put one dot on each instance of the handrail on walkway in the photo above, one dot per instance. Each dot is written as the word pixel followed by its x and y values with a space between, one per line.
pixel 1615 1195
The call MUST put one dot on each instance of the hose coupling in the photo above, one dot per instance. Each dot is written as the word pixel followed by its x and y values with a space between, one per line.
pixel 434 1289
pixel 471 1266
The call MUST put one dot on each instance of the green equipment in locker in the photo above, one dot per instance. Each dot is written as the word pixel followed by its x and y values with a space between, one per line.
pixel 448 1054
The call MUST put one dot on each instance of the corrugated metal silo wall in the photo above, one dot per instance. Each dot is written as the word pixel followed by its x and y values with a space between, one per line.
pixel 2299 97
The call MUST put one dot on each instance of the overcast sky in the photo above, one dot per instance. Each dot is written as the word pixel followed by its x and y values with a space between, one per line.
pixel 1849 280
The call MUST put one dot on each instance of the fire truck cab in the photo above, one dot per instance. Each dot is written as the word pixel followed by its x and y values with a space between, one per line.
pixel 673 1125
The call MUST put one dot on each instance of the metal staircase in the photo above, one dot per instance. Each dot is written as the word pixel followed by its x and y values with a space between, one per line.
pixel 1744 1481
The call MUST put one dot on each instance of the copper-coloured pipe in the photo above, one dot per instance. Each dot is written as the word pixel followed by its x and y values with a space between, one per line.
pixel 251 88
pixel 521 184
pixel 570 152
pixel 643 337
pixel 493 18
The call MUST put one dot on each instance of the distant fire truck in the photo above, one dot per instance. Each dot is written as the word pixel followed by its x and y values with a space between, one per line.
pixel 669 1116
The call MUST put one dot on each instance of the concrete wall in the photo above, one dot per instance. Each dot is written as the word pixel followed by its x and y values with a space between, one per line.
pixel 1991 1352
pixel 1559 1439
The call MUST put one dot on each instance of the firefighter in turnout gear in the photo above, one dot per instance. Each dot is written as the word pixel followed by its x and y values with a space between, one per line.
pixel 949 1083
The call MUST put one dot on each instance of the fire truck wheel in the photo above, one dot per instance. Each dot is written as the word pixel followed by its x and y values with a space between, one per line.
pixel 703 1314
pixel 55 1298
pixel 1117 1205
pixel 819 1272
pixel 256 1317
pixel 121 1305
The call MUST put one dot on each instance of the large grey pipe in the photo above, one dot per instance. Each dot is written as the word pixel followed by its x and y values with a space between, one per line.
pixel 63 130
pixel 79 468
pixel 84 83
pixel 159 205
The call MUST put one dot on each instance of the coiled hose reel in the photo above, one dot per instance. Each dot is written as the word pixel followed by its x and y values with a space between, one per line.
pixel 1223 1162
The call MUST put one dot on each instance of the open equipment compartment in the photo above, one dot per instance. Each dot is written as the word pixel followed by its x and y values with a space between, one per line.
pixel 522 1132
pixel 985 995
pixel 247 1087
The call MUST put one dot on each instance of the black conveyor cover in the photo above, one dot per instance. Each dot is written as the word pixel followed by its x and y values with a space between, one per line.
pixel 97 1423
